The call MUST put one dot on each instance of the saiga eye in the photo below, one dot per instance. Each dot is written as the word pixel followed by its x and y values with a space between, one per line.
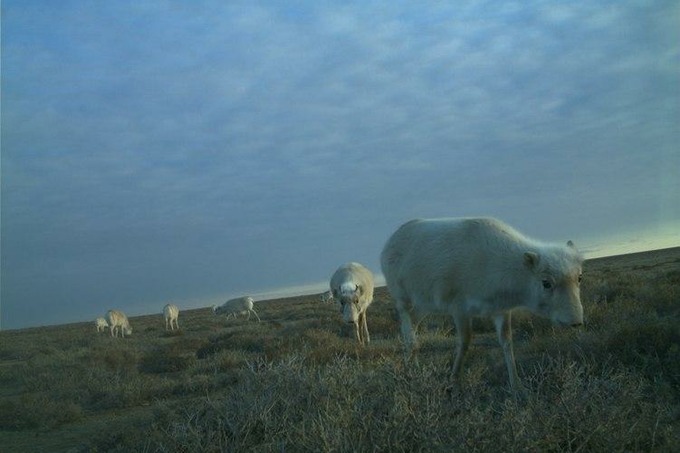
pixel 547 284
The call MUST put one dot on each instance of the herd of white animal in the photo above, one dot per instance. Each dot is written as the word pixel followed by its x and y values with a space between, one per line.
pixel 461 267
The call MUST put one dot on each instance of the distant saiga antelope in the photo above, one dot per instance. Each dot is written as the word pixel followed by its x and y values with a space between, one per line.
pixel 467 267
pixel 238 306
pixel 118 322
pixel 352 286
pixel 326 297
pixel 171 315
pixel 101 324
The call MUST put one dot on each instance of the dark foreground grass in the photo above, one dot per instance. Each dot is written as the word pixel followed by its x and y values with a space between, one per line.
pixel 297 382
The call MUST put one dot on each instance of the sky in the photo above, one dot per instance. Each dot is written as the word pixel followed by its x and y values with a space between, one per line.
pixel 157 151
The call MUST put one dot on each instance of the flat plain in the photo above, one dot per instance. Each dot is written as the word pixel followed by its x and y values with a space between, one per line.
pixel 298 382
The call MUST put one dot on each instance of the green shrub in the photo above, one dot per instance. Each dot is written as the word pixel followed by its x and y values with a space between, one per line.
pixel 298 381
pixel 652 347
pixel 385 407
pixel 114 358
pixel 37 412
pixel 164 360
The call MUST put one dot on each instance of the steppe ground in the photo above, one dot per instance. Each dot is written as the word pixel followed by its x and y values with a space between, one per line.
pixel 298 382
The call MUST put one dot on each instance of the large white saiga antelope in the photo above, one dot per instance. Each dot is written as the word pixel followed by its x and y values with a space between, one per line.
pixel 467 267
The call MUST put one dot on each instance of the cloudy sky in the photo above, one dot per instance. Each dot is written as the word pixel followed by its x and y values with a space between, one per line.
pixel 195 151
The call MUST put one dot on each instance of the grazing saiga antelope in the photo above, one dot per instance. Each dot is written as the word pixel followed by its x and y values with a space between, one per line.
pixel 101 324
pixel 118 322
pixel 467 267
pixel 326 297
pixel 352 286
pixel 238 306
pixel 171 313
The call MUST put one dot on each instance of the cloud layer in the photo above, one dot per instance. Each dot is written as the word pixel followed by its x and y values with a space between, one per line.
pixel 182 151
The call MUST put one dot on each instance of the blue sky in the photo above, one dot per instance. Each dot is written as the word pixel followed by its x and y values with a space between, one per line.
pixel 195 151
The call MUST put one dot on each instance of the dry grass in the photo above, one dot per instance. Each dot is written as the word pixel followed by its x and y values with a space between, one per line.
pixel 298 382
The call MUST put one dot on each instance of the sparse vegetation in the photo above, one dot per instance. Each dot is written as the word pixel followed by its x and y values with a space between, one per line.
pixel 298 381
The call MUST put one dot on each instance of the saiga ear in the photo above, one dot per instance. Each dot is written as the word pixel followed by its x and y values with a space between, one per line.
pixel 359 290
pixel 571 244
pixel 531 259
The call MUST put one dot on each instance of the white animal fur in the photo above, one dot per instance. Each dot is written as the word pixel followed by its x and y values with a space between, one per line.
pixel 101 324
pixel 238 306
pixel 118 322
pixel 171 313
pixel 326 297
pixel 470 267
pixel 352 286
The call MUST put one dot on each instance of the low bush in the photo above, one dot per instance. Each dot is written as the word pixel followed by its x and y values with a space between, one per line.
pixel 165 360
pixel 37 411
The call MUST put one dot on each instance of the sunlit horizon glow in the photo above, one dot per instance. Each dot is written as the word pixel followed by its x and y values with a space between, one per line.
pixel 624 246
pixel 653 238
